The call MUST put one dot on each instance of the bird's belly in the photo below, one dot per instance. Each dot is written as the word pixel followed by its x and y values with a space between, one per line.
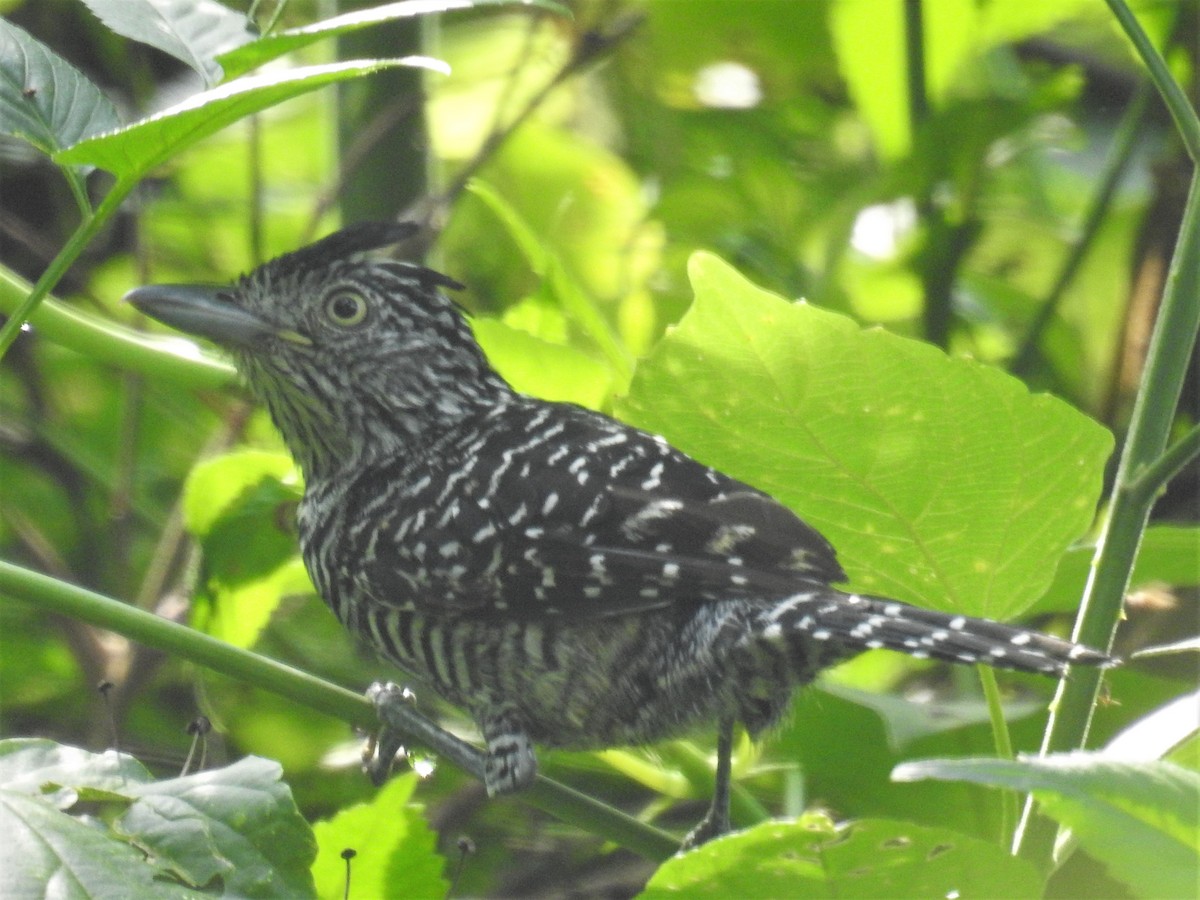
pixel 598 682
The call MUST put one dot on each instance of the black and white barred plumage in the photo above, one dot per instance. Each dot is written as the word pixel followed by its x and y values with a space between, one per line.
pixel 569 580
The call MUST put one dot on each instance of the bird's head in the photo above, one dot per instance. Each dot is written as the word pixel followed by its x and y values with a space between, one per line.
pixel 356 359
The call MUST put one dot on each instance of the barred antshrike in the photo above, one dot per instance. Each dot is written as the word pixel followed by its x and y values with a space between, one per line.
pixel 567 579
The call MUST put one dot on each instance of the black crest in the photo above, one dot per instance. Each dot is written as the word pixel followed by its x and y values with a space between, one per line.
pixel 359 238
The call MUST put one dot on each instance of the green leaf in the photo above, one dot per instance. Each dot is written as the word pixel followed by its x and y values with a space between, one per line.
pixel 132 151
pixel 30 765
pixel 239 824
pixel 549 371
pixel 46 853
pixel 215 485
pixel 558 283
pixel 241 505
pixel 192 31
pixel 875 79
pixel 395 850
pixel 249 56
pixel 867 858
pixel 1141 819
pixel 236 826
pixel 940 481
pixel 256 532
pixel 238 610
pixel 43 98
pixel 1161 732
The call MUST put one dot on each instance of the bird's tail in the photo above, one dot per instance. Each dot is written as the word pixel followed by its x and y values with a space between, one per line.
pixel 860 622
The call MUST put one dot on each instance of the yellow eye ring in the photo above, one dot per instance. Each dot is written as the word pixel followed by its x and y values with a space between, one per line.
pixel 346 308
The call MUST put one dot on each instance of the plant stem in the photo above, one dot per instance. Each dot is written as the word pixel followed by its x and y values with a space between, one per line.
pixel 78 190
pixel 1004 748
pixel 1166 367
pixel 56 596
pixel 108 342
pixel 1147 483
pixel 1167 359
pixel 1173 96
pixel 88 228
pixel 914 70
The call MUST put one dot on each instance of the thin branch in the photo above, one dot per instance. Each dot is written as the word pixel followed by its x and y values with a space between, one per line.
pixel 1170 351
pixel 175 359
pixel 353 155
pixel 914 70
pixel 79 239
pixel 1152 479
pixel 1173 96
pixel 52 595
pixel 1004 748
pixel 591 47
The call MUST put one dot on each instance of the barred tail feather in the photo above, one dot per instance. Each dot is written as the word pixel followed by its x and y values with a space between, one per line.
pixel 856 621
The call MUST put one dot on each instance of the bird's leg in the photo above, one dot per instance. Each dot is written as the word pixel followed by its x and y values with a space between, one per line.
pixel 400 722
pixel 511 764
pixel 716 821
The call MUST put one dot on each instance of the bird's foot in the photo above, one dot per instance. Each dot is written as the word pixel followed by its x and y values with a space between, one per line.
pixel 381 748
pixel 400 722
pixel 508 765
pixel 713 825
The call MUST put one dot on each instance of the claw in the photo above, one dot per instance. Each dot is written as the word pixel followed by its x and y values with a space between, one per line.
pixel 709 827
pixel 400 721
pixel 382 748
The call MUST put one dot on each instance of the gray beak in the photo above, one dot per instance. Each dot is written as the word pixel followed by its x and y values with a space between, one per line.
pixel 201 310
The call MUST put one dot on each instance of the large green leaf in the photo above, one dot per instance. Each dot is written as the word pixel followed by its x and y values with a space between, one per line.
pixel 939 480
pixel 245 57
pixel 550 371
pixel 395 850
pixel 32 765
pixel 132 151
pixel 1141 819
pixel 868 858
pixel 236 828
pixel 43 98
pixel 192 31
pixel 47 854
pixel 239 824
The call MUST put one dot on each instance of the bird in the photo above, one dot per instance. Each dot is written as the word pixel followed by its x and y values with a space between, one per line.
pixel 566 579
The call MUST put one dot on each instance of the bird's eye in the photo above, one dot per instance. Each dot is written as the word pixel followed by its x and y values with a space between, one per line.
pixel 346 308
